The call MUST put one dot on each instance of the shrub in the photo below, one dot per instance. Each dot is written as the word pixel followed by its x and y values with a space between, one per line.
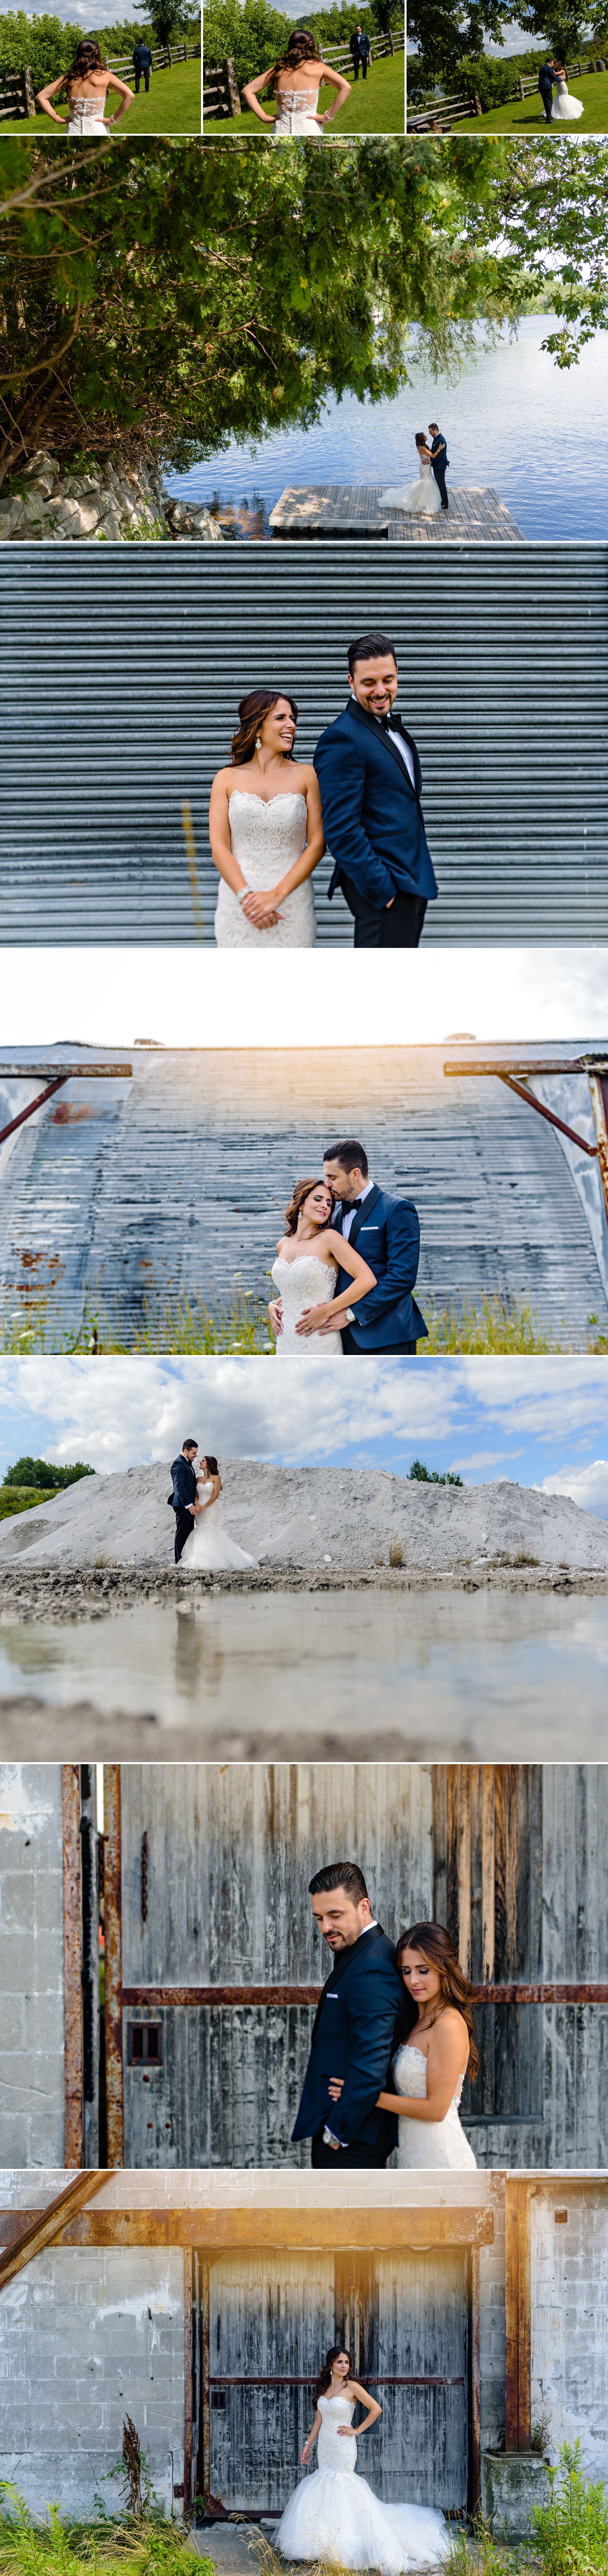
pixel 418 1474
pixel 395 1552
pixel 37 1472
pixel 571 2532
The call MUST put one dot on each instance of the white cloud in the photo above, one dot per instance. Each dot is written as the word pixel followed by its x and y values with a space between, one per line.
pixel 587 1485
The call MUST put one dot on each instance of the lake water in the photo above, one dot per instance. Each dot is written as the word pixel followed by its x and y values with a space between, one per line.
pixel 240 1677
pixel 512 421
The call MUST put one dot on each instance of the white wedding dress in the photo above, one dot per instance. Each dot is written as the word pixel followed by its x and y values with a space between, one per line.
pixel 300 1283
pixel 86 116
pixel 208 1545
pixel 296 114
pixel 419 498
pixel 267 835
pixel 427 2142
pixel 565 108
pixel 335 2515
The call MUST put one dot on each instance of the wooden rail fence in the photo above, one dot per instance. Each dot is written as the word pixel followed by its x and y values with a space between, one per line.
pixel 441 113
pixel 221 93
pixel 18 97
pixel 17 93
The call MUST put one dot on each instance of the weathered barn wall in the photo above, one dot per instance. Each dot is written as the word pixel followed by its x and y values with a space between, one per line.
pixel 569 2307
pixel 86 2336
pixel 518 838
pixel 174 1183
pixel 32 2115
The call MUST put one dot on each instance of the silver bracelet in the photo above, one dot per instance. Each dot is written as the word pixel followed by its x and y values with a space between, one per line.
pixel 243 890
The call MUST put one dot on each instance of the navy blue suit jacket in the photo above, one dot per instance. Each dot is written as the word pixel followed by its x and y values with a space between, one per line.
pixel 372 816
pixel 353 2036
pixel 546 78
pixel 386 1232
pixel 183 1478
pixel 439 451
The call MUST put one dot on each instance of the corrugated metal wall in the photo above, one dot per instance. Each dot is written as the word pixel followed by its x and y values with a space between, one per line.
pixel 509 1856
pixel 120 679
pixel 175 1184
pixel 407 2314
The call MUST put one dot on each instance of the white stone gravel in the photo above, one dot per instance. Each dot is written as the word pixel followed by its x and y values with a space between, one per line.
pixel 310 1516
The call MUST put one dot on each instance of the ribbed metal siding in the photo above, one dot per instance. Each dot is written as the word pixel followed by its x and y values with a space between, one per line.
pixel 176 1183
pixel 122 671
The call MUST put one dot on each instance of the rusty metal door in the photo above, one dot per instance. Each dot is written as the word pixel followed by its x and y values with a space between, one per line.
pixel 265 2323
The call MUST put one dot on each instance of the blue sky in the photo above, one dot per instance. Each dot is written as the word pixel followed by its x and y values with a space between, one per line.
pixel 539 1421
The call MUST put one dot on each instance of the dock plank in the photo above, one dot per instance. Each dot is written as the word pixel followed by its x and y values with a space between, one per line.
pixel 476 515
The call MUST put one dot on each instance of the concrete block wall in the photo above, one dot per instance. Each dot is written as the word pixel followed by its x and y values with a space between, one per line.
pixel 569 2297
pixel 31 1964
pixel 88 2335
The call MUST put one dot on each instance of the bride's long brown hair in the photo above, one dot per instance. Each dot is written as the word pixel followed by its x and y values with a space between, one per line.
pixel 252 710
pixel 324 2379
pixel 301 48
pixel 300 1193
pixel 437 1948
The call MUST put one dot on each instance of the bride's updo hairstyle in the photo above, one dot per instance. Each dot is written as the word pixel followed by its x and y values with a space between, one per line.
pixel 302 1192
pixel 438 1949
pixel 87 59
pixel 324 2379
pixel 302 48
pixel 252 710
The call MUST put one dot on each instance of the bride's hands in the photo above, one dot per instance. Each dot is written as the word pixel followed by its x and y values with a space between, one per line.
pixel 275 1313
pixel 261 910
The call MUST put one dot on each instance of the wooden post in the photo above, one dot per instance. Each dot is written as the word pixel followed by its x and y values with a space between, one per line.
pixel 187 2382
pixel 474 2480
pixel 521 87
pixel 391 43
pixel 234 95
pixel 72 1964
pixel 28 92
pixel 518 2415
pixel 205 2392
pixel 113 1966
pixel 477 103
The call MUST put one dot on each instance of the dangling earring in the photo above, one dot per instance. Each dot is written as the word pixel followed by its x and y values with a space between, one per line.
pixel 258 742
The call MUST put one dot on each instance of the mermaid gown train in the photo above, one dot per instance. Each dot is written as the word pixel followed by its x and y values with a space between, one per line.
pixel 300 1283
pixel 427 2142
pixel 422 499
pixel 335 2515
pixel 566 109
pixel 208 1545
pixel 267 835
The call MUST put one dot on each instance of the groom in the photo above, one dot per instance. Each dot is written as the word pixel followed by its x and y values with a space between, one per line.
pixel 546 79
pixel 354 2026
pixel 182 1498
pixel 387 1321
pixel 370 780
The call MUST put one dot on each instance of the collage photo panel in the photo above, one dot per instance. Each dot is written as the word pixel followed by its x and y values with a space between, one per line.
pixel 303 1740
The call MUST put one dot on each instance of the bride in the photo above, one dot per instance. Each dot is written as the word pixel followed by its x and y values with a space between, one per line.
pixel 438 2050
pixel 295 81
pixel 421 497
pixel 266 834
pixel 335 2515
pixel 86 85
pixel 208 1545
pixel 303 1277
pixel 565 108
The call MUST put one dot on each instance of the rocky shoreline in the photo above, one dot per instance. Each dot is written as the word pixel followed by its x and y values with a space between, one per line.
pixel 94 1591
pixel 107 503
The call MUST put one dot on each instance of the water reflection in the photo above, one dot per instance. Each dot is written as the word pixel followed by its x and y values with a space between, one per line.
pixel 446 1673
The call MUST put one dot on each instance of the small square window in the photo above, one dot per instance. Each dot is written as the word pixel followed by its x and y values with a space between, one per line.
pixel 144 2043
pixel 218 2400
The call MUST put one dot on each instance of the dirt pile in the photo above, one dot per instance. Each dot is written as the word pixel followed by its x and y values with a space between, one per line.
pixel 311 1517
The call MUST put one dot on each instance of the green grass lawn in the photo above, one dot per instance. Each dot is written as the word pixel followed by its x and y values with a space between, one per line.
pixel 527 116
pixel 173 106
pixel 375 106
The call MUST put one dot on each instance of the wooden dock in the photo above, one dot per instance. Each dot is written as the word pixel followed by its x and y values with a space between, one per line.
pixel 476 516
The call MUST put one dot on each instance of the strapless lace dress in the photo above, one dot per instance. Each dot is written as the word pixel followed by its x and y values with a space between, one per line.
pixel 86 116
pixel 267 836
pixel 305 1282
pixel 208 1545
pixel 334 2515
pixel 422 499
pixel 566 109
pixel 296 114
pixel 427 2142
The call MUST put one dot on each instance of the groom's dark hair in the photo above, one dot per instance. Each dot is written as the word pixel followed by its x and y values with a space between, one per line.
pixel 189 1444
pixel 350 1154
pixel 339 1873
pixel 366 644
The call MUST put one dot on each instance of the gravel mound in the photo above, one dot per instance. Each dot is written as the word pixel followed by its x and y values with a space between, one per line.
pixel 310 1516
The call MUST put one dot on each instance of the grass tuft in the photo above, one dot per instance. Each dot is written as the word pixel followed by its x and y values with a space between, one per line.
pixel 395 1551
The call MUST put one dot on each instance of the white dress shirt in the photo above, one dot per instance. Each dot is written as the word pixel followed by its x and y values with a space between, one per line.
pixel 400 745
pixel 348 1222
